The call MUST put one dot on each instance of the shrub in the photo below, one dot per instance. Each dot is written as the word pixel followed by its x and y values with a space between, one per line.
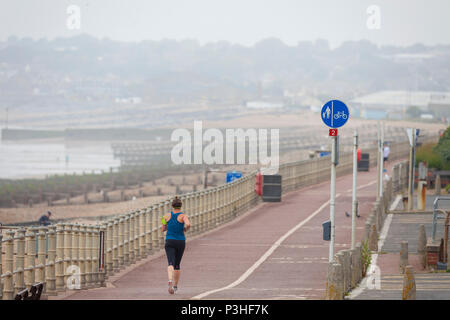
pixel 366 256
pixel 447 188
pixel 443 148
pixel 426 153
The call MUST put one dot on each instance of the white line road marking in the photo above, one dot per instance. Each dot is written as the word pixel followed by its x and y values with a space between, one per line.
pixel 363 186
pixel 264 257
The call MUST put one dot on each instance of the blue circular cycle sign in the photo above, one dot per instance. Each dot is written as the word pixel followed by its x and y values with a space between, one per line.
pixel 335 114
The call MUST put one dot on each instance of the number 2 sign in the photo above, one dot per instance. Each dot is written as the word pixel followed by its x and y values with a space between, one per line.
pixel 333 132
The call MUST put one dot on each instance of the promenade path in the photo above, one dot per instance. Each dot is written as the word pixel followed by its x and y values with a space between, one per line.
pixel 274 251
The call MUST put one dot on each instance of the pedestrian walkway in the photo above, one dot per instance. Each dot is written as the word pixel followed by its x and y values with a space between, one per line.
pixel 274 251
pixel 429 286
pixel 405 227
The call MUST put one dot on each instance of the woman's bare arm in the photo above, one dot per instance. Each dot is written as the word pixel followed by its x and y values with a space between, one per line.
pixel 187 223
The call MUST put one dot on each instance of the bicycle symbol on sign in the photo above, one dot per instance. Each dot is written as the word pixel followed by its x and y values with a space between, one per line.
pixel 340 114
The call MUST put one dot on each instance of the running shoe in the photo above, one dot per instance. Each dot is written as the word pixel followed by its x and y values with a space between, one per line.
pixel 175 288
pixel 171 291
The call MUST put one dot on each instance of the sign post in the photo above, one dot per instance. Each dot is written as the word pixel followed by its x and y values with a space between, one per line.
pixel 412 136
pixel 380 160
pixel 334 114
pixel 354 199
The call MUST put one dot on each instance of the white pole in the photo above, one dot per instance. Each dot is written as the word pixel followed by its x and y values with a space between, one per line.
pixel 332 195
pixel 380 190
pixel 355 201
pixel 411 171
pixel 378 160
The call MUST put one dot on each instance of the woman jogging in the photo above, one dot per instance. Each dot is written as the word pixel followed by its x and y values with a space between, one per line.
pixel 176 223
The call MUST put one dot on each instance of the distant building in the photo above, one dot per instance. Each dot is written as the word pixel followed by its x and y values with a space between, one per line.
pixel 427 116
pixel 264 105
pixel 393 104
pixel 130 100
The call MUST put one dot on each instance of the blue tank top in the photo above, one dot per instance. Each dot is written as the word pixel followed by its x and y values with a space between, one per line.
pixel 175 229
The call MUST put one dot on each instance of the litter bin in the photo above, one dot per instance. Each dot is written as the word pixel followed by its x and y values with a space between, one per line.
pixel 271 188
pixel 364 163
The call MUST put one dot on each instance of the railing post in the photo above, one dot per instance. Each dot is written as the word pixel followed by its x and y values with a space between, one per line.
pixel 235 198
pixel 76 248
pixel 250 191
pixel 102 267
pixel 19 284
pixel 221 204
pixel 223 207
pixel 198 211
pixel 8 282
pixel 67 251
pixel 187 206
pixel 51 261
pixel 88 257
pixel 109 248
pixel 215 206
pixel 155 239
pixel 126 244
pixel 148 231
pixel 209 208
pixel 131 238
pixel 60 284
pixel 137 229
pixel 201 212
pixel 42 255
pixel 95 256
pixel 160 232
pixel 142 234
pixel 115 249
pixel 239 196
pixel 229 204
pixel 82 257
pixel 193 212
pixel 121 243
pixel 205 211
pixel 30 237
pixel 167 208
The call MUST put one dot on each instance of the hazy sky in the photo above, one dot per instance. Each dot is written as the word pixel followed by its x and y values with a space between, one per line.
pixel 402 22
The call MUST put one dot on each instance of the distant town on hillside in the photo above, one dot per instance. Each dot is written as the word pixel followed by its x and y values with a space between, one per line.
pixel 83 75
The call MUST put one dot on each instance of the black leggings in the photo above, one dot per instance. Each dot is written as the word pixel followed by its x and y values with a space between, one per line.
pixel 174 252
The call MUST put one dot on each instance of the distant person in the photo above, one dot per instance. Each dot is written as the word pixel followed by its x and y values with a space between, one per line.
pixel 386 153
pixel 45 219
pixel 175 223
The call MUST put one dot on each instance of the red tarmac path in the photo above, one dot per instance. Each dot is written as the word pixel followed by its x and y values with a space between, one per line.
pixel 296 269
